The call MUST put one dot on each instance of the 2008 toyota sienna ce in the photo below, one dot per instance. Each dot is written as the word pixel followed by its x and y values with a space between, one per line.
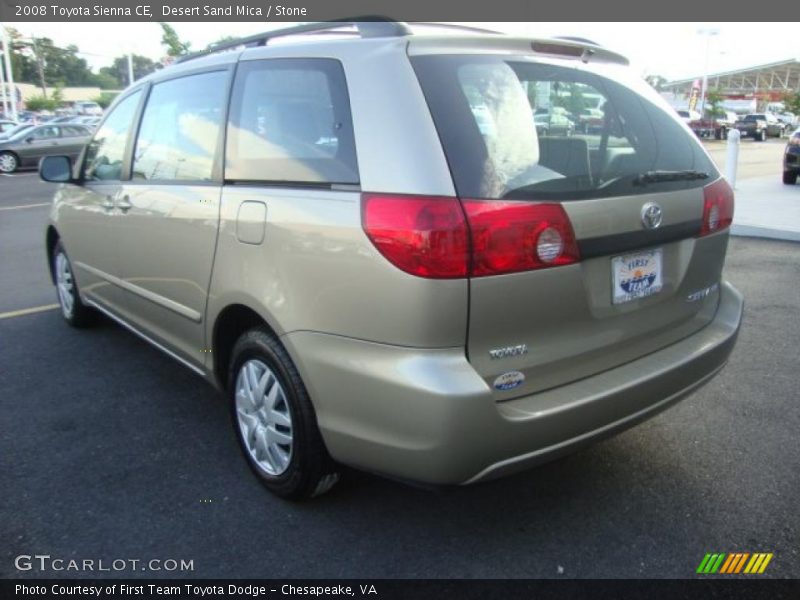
pixel 364 242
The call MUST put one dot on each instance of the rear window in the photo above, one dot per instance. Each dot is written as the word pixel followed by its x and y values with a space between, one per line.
pixel 514 129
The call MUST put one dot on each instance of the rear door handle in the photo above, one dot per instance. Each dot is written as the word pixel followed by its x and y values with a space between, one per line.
pixel 108 203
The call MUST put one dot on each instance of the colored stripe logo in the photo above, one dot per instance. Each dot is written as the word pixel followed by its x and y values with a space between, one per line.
pixel 734 563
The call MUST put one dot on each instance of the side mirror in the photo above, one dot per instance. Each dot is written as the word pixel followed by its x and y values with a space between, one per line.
pixel 56 169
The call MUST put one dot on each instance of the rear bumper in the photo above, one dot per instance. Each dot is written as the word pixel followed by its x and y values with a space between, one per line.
pixel 427 416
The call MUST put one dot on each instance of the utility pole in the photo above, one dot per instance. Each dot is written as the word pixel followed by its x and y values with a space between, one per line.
pixel 708 33
pixel 39 67
pixel 3 91
pixel 130 68
pixel 9 72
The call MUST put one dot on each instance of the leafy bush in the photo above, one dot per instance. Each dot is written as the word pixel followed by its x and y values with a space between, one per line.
pixel 37 103
pixel 105 98
pixel 792 102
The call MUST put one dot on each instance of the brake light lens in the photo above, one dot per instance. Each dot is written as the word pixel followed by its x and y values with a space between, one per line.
pixel 717 207
pixel 794 140
pixel 508 237
pixel 422 235
pixel 443 238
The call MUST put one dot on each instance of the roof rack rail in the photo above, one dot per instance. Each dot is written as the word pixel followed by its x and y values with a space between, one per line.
pixel 454 27
pixel 366 27
pixel 580 40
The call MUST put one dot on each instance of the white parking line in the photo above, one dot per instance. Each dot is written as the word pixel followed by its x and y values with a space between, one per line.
pixel 27 311
pixel 24 206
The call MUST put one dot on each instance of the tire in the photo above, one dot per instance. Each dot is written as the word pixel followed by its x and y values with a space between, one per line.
pixel 74 311
pixel 761 136
pixel 790 177
pixel 274 420
pixel 8 162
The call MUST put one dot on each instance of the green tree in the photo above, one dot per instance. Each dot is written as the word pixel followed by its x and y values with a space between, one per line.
pixel 571 98
pixel 105 99
pixel 792 102
pixel 40 102
pixel 22 62
pixel 118 71
pixel 223 40
pixel 714 99
pixel 38 60
pixel 657 81
pixel 174 45
pixel 105 81
pixel 58 96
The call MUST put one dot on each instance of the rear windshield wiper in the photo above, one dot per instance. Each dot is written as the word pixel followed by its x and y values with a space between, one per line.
pixel 657 176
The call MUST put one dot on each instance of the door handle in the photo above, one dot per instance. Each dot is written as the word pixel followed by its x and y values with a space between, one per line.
pixel 108 203
pixel 124 203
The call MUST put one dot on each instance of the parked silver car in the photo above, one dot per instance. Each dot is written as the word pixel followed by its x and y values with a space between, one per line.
pixel 365 244
pixel 28 145
pixel 6 126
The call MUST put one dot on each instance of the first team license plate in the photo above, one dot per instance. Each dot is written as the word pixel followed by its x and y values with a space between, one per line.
pixel 636 275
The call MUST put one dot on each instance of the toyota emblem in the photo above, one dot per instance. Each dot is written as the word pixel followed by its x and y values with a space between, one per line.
pixel 651 215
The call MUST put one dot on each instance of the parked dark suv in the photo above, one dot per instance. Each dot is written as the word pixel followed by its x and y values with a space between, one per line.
pixel 791 159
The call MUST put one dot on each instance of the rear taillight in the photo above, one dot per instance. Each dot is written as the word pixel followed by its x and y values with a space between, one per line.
pixel 794 140
pixel 717 207
pixel 431 236
pixel 422 235
pixel 508 237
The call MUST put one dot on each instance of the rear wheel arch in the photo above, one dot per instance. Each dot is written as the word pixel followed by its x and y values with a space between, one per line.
pixel 51 239
pixel 230 324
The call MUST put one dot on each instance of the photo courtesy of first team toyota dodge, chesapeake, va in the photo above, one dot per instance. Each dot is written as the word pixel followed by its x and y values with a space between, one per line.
pixel 364 242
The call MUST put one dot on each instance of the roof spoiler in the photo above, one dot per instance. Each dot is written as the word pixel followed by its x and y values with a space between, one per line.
pixel 569 48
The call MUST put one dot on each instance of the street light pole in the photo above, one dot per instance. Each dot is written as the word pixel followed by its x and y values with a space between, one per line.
pixel 130 68
pixel 3 91
pixel 708 33
pixel 9 72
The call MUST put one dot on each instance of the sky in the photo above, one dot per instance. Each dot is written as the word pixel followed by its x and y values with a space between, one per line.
pixel 672 50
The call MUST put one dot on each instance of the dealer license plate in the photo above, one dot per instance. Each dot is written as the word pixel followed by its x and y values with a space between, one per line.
pixel 636 275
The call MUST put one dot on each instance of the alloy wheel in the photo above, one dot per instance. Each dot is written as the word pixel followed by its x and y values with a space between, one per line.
pixel 8 163
pixel 265 421
pixel 65 285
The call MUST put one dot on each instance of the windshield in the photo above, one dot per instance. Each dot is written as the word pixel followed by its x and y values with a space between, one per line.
pixel 517 129
pixel 16 132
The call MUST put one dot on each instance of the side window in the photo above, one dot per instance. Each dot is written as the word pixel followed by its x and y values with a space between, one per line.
pixel 106 151
pixel 72 131
pixel 290 122
pixel 47 132
pixel 180 128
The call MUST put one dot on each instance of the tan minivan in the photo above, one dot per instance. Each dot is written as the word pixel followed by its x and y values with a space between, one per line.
pixel 364 242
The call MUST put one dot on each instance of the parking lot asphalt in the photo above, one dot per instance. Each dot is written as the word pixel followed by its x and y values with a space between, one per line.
pixel 756 159
pixel 110 450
